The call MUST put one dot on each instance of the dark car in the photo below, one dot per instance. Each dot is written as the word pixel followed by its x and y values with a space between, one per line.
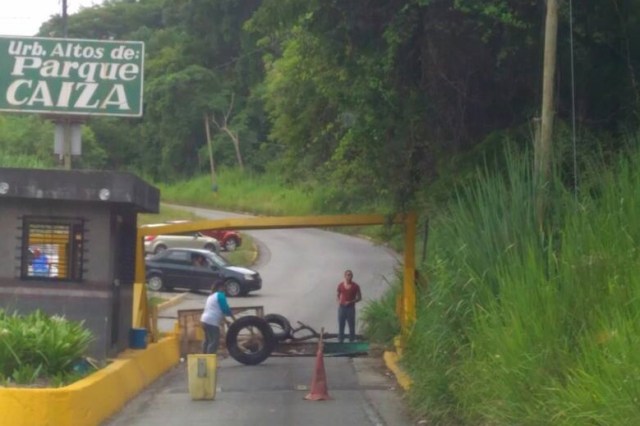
pixel 197 269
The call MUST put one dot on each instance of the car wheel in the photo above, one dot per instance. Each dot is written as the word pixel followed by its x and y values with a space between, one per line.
pixel 250 340
pixel 210 247
pixel 280 326
pixel 232 288
pixel 159 248
pixel 231 244
pixel 155 283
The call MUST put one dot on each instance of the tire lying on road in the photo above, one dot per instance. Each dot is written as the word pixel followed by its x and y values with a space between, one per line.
pixel 280 326
pixel 250 340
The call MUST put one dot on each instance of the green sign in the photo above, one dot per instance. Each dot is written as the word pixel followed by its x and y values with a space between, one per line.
pixel 71 77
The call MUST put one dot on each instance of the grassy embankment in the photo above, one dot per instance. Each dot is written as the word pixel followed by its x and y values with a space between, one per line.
pixel 531 327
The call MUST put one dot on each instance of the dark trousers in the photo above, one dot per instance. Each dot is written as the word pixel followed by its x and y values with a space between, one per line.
pixel 347 315
pixel 211 338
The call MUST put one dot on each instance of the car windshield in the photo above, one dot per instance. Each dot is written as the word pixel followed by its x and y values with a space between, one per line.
pixel 217 259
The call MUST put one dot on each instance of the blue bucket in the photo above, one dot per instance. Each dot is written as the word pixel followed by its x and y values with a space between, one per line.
pixel 138 338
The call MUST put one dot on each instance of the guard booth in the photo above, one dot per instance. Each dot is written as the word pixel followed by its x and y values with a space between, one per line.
pixel 67 247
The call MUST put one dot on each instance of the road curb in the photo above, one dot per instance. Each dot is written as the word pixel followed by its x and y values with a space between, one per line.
pixel 254 257
pixel 171 302
pixel 391 360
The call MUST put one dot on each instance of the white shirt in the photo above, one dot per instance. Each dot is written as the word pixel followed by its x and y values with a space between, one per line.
pixel 212 313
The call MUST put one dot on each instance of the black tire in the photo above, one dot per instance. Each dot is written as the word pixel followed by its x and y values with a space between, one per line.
pixel 259 342
pixel 155 282
pixel 159 248
pixel 280 326
pixel 232 288
pixel 210 247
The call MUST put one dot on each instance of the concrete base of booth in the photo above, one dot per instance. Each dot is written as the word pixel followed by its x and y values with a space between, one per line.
pixel 96 397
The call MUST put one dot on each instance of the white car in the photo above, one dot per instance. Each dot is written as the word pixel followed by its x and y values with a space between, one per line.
pixel 157 243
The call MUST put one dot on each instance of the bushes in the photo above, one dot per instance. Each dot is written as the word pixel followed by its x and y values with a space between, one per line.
pixel 39 348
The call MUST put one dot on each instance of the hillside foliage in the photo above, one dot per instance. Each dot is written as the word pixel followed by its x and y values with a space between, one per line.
pixel 374 99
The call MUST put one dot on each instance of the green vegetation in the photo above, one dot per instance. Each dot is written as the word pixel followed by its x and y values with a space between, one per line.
pixel 245 255
pixel 240 192
pixel 527 326
pixel 364 105
pixel 380 320
pixel 165 214
pixel 37 349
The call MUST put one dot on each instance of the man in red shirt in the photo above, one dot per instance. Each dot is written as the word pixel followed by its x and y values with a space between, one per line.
pixel 348 296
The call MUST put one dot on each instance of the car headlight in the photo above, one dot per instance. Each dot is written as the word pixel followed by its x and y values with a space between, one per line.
pixel 249 277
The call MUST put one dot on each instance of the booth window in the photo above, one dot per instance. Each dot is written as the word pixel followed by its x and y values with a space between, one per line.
pixel 52 248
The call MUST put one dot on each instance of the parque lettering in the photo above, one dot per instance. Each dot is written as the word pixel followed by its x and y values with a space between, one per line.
pixel 88 71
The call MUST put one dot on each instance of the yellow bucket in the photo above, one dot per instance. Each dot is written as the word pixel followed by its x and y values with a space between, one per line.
pixel 202 376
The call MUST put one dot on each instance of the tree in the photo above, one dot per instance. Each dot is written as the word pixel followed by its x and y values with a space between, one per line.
pixel 223 123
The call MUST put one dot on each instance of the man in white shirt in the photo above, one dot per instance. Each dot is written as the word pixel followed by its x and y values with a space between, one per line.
pixel 215 309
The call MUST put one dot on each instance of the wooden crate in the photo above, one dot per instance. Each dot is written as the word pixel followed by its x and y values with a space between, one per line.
pixel 192 335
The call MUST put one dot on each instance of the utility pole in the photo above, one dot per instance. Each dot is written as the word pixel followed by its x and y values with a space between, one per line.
pixel 66 147
pixel 543 145
pixel 64 18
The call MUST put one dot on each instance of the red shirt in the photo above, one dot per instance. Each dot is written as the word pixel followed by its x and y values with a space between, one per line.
pixel 348 295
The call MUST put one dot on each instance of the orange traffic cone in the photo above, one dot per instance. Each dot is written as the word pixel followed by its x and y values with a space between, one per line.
pixel 319 380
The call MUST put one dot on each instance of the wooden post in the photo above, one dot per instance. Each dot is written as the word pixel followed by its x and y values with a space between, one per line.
pixel 154 333
pixel 543 151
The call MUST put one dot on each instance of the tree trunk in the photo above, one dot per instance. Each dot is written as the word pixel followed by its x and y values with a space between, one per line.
pixel 214 184
pixel 233 135
pixel 236 145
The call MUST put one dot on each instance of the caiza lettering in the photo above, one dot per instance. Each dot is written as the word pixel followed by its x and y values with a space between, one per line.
pixel 69 95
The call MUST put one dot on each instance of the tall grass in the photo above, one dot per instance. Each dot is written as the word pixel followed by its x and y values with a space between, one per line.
pixel 524 327
pixel 267 194
pixel 379 318
pixel 241 192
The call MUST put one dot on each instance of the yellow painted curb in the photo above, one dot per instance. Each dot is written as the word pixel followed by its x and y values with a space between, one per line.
pixel 93 399
pixel 171 302
pixel 391 360
pixel 255 254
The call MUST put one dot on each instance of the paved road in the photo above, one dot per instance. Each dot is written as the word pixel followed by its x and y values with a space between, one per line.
pixel 301 269
pixel 272 394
